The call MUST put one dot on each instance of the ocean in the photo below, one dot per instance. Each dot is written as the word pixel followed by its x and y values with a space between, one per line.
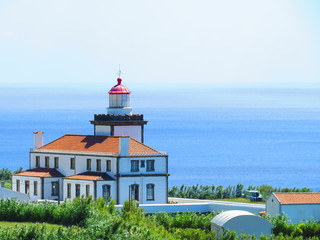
pixel 220 135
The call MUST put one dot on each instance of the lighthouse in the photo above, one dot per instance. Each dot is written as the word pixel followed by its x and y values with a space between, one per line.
pixel 119 120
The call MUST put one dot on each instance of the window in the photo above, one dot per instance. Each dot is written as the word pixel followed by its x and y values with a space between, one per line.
pixel 46 162
pixel 35 188
pixel 134 192
pixel 150 191
pixel 77 190
pixel 56 162
pixel 134 166
pixel 98 165
pixel 106 191
pixel 55 188
pixel 37 161
pixel 108 165
pixel 150 165
pixel 88 164
pixel 72 163
pixel 27 187
pixel 18 185
pixel 69 190
pixel 142 163
pixel 87 190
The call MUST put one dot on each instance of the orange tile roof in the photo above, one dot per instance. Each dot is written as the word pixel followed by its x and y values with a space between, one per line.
pixel 298 198
pixel 40 172
pixel 138 148
pixel 91 176
pixel 103 144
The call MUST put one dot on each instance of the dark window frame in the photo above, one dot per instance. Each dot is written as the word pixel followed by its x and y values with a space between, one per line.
pixel 18 185
pixel 35 188
pixel 72 163
pixel 37 161
pixel 150 168
pixel 87 190
pixel 143 163
pixel 150 186
pixel 46 161
pixel 89 164
pixel 134 192
pixel 54 188
pixel 108 165
pixel 56 162
pixel 68 190
pixel 135 166
pixel 106 191
pixel 98 167
pixel 27 187
pixel 78 190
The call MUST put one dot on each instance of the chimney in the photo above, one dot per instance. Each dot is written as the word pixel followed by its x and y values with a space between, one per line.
pixel 38 139
pixel 124 146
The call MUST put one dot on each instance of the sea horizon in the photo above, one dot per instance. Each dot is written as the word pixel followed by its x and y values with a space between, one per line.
pixel 220 136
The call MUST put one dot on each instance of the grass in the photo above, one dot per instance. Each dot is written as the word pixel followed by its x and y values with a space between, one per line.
pixel 241 200
pixel 7 184
pixel 49 226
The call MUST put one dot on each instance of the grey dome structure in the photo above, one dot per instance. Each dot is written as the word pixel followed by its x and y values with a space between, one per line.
pixel 241 222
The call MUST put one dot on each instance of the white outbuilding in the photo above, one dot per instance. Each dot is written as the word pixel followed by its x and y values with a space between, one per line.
pixel 240 222
pixel 297 206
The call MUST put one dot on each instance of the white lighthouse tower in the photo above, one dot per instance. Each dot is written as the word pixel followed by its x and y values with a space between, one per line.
pixel 119 120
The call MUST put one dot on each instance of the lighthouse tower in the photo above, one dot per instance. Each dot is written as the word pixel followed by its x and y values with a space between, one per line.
pixel 119 120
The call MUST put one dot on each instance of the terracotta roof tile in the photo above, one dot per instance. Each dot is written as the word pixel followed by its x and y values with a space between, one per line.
pixel 103 144
pixel 85 143
pixel 298 198
pixel 91 176
pixel 138 148
pixel 40 172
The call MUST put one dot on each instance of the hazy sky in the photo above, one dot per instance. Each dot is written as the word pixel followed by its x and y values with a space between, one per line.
pixel 58 43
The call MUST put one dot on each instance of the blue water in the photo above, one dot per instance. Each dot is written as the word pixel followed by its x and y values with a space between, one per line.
pixel 226 136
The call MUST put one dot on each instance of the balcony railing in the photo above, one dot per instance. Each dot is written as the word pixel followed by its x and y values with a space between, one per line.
pixel 108 117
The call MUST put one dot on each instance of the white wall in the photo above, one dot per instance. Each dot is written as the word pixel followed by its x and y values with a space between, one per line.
pixel 160 193
pixel 302 212
pixel 160 165
pixel 31 188
pixel 196 207
pixel 249 224
pixel 120 111
pixel 102 130
pixel 272 206
pixel 81 162
pixel 47 187
pixel 113 189
pixel 73 183
pixel 132 131
pixel 295 212
pixel 83 184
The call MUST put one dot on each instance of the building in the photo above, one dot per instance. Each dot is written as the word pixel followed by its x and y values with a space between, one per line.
pixel 114 162
pixel 297 206
pixel 241 222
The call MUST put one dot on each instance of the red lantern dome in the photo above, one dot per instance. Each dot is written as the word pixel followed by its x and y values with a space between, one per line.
pixel 119 88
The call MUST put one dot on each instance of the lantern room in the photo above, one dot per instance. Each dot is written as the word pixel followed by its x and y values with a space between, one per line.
pixel 119 100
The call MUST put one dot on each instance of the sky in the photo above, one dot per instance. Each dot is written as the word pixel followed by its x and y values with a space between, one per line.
pixel 164 43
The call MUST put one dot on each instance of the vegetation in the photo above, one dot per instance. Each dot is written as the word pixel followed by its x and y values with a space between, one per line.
pixel 8 184
pixel 6 174
pixel 21 224
pixel 229 192
pixel 84 218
